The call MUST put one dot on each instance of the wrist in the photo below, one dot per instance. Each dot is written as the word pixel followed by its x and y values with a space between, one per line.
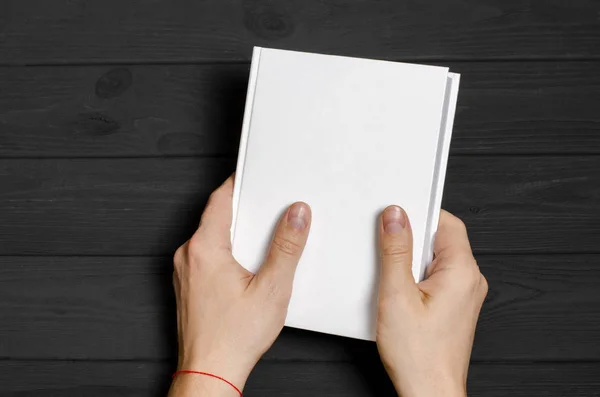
pixel 192 385
pixel 429 386
pixel 234 372
pixel 435 391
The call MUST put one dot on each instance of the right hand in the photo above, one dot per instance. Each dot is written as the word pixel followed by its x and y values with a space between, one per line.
pixel 425 330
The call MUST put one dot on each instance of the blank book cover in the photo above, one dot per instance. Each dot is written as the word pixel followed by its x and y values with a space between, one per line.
pixel 349 137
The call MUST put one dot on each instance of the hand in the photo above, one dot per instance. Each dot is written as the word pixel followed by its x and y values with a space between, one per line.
pixel 228 317
pixel 425 331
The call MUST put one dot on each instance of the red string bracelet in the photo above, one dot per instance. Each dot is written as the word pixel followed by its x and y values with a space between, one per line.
pixel 187 371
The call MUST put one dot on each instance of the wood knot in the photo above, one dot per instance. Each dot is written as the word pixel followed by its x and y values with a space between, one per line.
pixel 113 83
pixel 95 123
pixel 474 210
pixel 270 25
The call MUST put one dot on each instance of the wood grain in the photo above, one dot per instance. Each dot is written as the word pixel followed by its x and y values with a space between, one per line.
pixel 174 110
pixel 123 308
pixel 66 31
pixel 104 207
pixel 514 204
pixel 99 379
pixel 124 111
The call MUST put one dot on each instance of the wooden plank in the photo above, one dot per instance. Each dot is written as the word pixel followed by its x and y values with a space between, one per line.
pixel 150 206
pixel 98 379
pixel 141 111
pixel 35 32
pixel 104 207
pixel 123 111
pixel 542 307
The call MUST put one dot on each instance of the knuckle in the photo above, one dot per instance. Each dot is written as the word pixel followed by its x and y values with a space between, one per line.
pixel 458 223
pixel 468 280
pixel 179 257
pixel 198 251
pixel 451 222
pixel 395 252
pixel 286 246
pixel 196 246
pixel 472 277
pixel 484 285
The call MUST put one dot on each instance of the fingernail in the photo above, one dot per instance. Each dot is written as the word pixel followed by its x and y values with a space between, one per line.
pixel 298 216
pixel 394 219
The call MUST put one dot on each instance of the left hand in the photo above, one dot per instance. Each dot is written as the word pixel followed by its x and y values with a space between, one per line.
pixel 228 317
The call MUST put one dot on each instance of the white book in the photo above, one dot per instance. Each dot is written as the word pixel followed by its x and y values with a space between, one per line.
pixel 349 137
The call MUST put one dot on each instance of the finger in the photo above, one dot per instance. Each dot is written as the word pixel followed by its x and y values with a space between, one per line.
pixel 395 246
pixel 451 241
pixel 215 224
pixel 286 247
pixel 451 235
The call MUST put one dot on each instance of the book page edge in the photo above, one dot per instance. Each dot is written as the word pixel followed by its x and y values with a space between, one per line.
pixel 446 127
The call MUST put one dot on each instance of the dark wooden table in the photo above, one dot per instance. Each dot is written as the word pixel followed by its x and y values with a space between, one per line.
pixel 117 118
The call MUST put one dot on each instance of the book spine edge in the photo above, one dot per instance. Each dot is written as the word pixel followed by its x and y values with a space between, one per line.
pixel 239 173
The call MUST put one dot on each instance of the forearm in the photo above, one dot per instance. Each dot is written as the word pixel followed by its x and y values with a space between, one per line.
pixel 190 385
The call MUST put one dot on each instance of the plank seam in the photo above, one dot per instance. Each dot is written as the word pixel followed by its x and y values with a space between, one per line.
pixel 170 62
pixel 233 156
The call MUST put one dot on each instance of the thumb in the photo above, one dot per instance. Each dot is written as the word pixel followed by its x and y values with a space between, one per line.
pixel 395 245
pixel 286 248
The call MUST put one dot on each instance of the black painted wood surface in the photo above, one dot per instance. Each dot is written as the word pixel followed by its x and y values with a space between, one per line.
pixel 357 379
pixel 196 110
pixel 525 204
pixel 108 308
pixel 118 118
pixel 67 31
